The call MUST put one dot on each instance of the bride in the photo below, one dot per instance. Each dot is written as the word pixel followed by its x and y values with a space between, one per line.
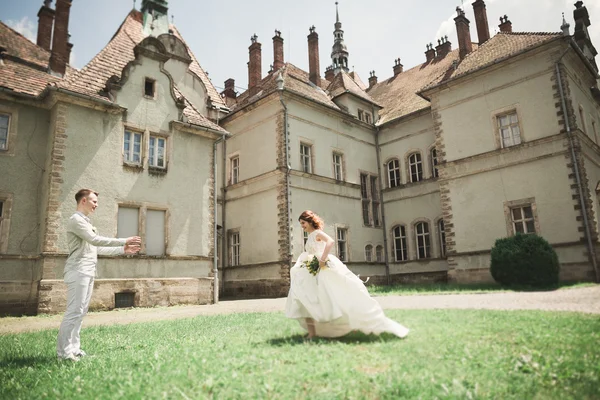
pixel 334 301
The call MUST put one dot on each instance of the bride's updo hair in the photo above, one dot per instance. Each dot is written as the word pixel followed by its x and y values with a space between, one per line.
pixel 312 219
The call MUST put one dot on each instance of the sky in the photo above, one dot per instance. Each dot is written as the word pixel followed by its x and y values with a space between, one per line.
pixel 376 32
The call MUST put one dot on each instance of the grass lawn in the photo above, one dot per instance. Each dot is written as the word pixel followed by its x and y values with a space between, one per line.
pixel 449 354
pixel 449 288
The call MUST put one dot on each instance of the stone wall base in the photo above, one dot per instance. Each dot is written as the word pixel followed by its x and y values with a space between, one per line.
pixel 18 298
pixel 260 288
pixel 147 293
pixel 409 278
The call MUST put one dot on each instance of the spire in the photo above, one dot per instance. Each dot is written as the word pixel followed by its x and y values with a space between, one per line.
pixel 155 16
pixel 565 26
pixel 339 52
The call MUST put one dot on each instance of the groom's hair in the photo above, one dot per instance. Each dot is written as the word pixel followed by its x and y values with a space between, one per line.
pixel 83 193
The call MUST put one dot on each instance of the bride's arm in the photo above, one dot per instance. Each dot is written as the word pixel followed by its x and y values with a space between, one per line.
pixel 322 236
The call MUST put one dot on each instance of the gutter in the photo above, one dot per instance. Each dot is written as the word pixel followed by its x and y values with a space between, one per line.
pixel 586 222
pixel 215 231
pixel 383 224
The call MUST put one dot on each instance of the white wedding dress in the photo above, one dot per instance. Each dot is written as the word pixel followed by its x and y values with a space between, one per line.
pixel 335 298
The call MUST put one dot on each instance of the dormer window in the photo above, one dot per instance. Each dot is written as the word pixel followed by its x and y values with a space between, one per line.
pixel 365 116
pixel 149 88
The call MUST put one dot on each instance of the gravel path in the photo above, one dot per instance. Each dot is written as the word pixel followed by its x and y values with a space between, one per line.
pixel 585 300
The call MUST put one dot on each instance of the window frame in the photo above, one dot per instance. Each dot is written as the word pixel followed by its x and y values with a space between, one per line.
pixel 369 253
pixel 150 153
pixel 441 226
pixel 379 257
pixel 426 237
pixel 306 157
pixel 234 247
pixel 5 216
pixel 126 160
pixel 418 164
pixel 507 111
pixel 12 113
pixel 147 80
pixel 434 162
pixel 8 132
pixel 338 168
pixel 234 170
pixel 342 255
pixel 403 241
pixel 509 206
pixel 397 172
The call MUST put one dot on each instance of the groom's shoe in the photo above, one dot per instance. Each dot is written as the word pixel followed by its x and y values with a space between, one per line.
pixel 70 357
pixel 80 353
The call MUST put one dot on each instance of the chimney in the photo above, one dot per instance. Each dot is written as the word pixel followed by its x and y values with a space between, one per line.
pixel 444 47
pixel 430 53
pixel 505 25
pixel 60 45
pixel 313 57
pixel 398 67
pixel 465 45
pixel 372 79
pixel 45 21
pixel 277 51
pixel 483 28
pixel 255 63
pixel 329 73
pixel 229 89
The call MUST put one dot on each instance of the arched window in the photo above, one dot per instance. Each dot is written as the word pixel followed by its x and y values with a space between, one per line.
pixel 379 253
pixel 369 253
pixel 393 168
pixel 400 243
pixel 442 238
pixel 415 167
pixel 434 162
pixel 423 239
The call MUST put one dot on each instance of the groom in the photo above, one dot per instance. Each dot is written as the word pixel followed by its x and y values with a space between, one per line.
pixel 80 269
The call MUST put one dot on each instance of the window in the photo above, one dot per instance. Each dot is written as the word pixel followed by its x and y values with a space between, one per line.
pixel 582 118
pixel 375 201
pixel 367 117
pixel 155 232
pixel 361 115
pixel 5 211
pixel 369 253
pixel 1 223
pixel 149 87
pixel 156 158
pixel 423 240
pixel 364 116
pixel 305 237
pixel 393 168
pixel 132 148
pixel 434 163
pixel 235 170
pixel 342 237
pixel 305 157
pixel 442 238
pixel 522 219
pixel 338 171
pixel 128 222
pixel 379 253
pixel 508 128
pixel 364 194
pixel 400 243
pixel 4 120
pixel 234 248
pixel 415 166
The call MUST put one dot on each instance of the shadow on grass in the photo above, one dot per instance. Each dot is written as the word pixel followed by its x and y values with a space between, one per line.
pixel 351 338
pixel 34 361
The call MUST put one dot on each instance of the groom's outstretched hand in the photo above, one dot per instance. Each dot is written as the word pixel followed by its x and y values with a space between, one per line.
pixel 132 248
pixel 134 240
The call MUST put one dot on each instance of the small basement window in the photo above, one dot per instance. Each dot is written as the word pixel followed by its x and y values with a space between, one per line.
pixel 149 87
pixel 124 300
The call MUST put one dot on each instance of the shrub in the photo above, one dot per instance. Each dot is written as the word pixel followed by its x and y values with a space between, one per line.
pixel 524 260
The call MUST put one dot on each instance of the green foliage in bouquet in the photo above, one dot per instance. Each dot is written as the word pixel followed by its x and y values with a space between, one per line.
pixel 312 266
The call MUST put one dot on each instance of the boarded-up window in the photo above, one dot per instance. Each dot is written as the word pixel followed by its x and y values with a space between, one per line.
pixel 128 222
pixel 155 232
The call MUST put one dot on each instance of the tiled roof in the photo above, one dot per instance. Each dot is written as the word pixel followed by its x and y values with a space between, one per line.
pixel 398 94
pixel 25 65
pixel 119 51
pixel 194 116
pixel 500 47
pixel 358 81
pixel 343 83
pixel 294 80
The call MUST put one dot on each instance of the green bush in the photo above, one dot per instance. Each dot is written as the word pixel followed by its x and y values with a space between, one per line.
pixel 524 260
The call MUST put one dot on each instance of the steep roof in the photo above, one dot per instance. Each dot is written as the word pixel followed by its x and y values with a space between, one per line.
pixel 398 94
pixel 119 51
pixel 344 83
pixel 25 68
pixel 294 80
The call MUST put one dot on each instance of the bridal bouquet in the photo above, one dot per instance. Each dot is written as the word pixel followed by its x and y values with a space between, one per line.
pixel 312 264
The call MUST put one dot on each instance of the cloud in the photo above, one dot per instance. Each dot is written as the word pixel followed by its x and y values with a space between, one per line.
pixel 25 27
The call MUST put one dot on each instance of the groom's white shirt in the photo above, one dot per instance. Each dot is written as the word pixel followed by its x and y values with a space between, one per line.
pixel 85 244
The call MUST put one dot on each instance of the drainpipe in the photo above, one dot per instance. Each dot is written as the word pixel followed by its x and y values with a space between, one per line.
pixel 287 162
pixel 383 225
pixel 215 233
pixel 586 223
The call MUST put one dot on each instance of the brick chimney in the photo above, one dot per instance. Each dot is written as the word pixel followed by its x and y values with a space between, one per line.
pixel 398 67
pixel 59 58
pixel 505 25
pixel 481 20
pixel 277 51
pixel 464 34
pixel 372 79
pixel 430 53
pixel 329 73
pixel 255 64
pixel 229 89
pixel 45 21
pixel 313 57
pixel 444 47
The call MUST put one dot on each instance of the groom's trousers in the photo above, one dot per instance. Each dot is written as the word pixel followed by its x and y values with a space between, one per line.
pixel 79 294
